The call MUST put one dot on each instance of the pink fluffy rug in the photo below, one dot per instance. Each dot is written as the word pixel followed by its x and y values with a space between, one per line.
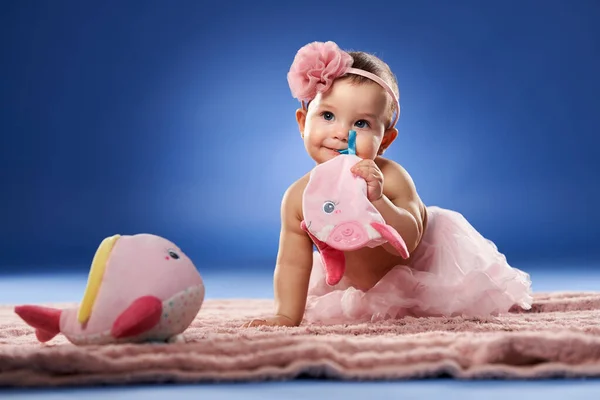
pixel 559 337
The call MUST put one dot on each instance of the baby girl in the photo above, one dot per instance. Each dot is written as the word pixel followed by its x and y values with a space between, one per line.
pixel 452 269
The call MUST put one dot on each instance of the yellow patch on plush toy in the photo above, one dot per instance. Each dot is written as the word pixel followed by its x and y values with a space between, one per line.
pixel 95 277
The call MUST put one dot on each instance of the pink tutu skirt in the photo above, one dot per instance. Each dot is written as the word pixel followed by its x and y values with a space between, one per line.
pixel 454 272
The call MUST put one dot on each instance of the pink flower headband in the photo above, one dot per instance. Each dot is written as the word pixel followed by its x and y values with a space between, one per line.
pixel 318 64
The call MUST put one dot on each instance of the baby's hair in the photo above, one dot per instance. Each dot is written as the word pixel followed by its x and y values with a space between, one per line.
pixel 375 65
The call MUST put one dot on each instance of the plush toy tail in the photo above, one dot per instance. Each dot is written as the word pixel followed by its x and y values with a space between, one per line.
pixel 333 260
pixel 45 320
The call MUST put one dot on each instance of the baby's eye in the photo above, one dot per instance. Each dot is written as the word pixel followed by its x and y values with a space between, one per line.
pixel 362 124
pixel 327 115
pixel 173 254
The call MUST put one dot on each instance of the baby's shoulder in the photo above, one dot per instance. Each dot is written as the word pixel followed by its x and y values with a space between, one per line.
pixel 392 168
pixel 296 189
pixel 397 181
pixel 292 197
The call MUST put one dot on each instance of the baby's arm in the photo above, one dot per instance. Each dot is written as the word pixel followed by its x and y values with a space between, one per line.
pixel 294 263
pixel 400 205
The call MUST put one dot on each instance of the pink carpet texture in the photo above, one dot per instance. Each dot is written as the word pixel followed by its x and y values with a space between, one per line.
pixel 558 338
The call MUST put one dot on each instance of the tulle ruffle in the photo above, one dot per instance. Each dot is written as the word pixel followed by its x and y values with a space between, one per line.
pixel 455 271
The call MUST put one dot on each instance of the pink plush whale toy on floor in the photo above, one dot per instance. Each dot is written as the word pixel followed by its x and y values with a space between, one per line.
pixel 338 215
pixel 140 288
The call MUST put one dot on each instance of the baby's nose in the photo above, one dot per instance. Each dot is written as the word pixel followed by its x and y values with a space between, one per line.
pixel 341 135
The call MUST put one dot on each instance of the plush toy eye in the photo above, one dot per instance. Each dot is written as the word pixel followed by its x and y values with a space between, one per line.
pixel 173 255
pixel 328 207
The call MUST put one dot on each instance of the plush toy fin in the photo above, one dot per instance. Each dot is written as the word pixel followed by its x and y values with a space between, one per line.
pixel 334 260
pixel 45 320
pixel 142 315
pixel 95 278
pixel 393 238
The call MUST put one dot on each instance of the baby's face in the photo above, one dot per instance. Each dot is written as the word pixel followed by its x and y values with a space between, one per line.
pixel 345 106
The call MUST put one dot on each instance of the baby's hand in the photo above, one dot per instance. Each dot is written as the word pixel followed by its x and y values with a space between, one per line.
pixel 276 320
pixel 370 172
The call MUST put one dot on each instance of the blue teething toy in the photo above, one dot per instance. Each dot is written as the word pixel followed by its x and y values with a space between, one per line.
pixel 351 144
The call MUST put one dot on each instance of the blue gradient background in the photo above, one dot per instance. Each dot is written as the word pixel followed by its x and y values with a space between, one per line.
pixel 140 116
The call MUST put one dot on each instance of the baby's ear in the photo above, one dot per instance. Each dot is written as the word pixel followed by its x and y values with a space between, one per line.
pixel 301 119
pixel 388 137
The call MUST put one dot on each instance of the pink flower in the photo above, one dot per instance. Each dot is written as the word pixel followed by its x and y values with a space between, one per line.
pixel 315 67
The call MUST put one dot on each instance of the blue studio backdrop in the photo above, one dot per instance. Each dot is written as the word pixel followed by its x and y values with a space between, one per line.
pixel 175 118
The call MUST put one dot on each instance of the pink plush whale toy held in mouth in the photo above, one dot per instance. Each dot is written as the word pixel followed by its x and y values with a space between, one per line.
pixel 338 215
pixel 140 288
